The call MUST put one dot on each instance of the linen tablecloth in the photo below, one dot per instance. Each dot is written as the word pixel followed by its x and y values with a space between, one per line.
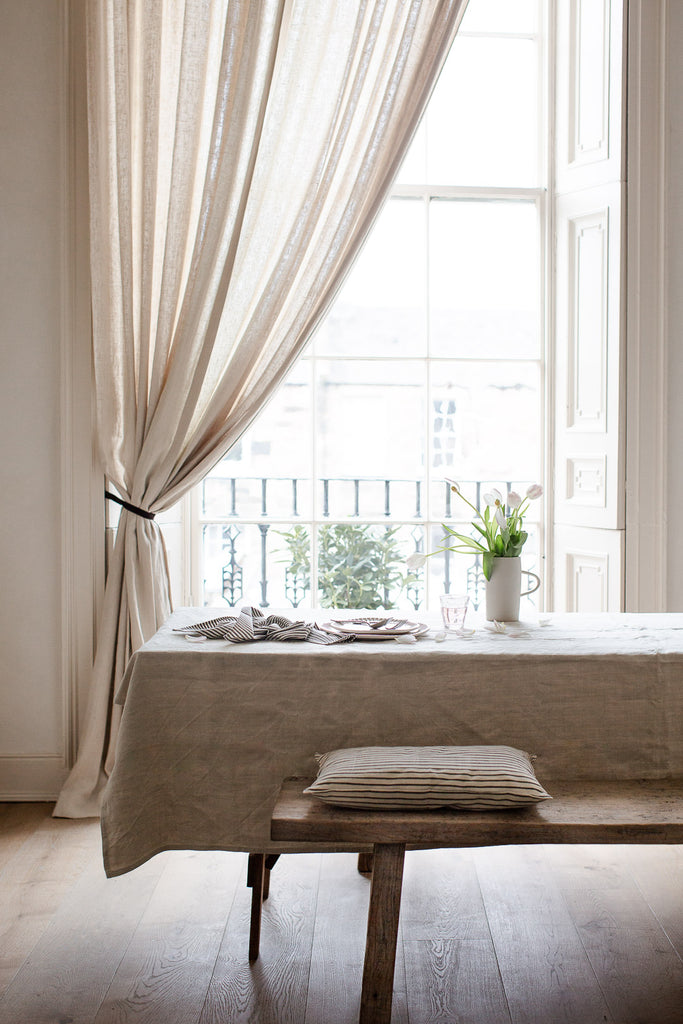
pixel 210 729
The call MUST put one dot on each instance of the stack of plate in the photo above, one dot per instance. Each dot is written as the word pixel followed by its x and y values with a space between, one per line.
pixel 365 628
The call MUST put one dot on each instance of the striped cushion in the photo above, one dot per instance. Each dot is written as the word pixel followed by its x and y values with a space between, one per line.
pixel 478 778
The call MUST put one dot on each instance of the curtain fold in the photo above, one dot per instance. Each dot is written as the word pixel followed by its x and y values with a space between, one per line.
pixel 239 153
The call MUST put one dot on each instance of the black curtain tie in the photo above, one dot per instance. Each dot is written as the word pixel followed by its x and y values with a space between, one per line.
pixel 130 508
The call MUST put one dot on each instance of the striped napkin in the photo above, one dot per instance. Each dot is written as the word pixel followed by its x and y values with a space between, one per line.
pixel 252 625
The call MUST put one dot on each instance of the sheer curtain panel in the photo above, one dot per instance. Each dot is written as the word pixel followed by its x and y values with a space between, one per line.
pixel 239 153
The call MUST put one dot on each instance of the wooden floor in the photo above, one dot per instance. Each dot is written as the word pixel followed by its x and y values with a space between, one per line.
pixel 535 935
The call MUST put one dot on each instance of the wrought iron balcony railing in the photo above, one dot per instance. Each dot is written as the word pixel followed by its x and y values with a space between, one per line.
pixel 237 507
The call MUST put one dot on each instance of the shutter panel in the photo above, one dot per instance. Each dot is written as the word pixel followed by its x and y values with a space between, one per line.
pixel 588 214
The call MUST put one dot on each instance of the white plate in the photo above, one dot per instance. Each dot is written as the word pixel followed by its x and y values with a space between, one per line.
pixel 364 628
pixel 417 629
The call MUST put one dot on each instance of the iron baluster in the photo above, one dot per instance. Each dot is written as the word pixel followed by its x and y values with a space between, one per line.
pixel 415 589
pixel 295 587
pixel 232 574
pixel 264 527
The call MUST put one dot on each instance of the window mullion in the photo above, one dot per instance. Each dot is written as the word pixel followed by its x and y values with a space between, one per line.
pixel 429 435
pixel 315 490
pixel 466 192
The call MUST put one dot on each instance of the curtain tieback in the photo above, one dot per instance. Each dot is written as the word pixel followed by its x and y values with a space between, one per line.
pixel 130 508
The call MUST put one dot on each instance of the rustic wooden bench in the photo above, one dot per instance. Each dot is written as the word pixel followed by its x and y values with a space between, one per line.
pixel 580 812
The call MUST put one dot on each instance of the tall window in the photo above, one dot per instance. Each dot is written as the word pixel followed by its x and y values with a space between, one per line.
pixel 429 365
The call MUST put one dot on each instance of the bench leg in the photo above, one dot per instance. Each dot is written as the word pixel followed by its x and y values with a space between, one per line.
pixel 259 867
pixel 380 946
pixel 271 861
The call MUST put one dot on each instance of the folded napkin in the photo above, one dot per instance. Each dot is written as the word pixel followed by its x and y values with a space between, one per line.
pixel 252 625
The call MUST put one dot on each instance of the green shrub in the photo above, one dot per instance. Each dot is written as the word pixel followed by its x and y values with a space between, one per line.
pixel 358 564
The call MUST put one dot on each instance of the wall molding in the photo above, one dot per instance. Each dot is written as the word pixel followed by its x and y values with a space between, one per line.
pixel 31 776
pixel 82 522
pixel 65 386
pixel 646 291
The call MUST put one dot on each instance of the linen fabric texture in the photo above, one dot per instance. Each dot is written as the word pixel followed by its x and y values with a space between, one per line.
pixel 252 625
pixel 211 729
pixel 239 154
pixel 419 778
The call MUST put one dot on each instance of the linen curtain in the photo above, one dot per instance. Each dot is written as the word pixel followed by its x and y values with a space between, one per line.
pixel 239 152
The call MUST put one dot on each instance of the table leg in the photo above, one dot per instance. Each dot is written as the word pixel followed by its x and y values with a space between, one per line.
pixel 380 946
pixel 365 863
pixel 256 870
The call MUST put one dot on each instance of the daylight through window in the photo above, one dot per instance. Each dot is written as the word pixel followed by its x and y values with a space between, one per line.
pixel 430 364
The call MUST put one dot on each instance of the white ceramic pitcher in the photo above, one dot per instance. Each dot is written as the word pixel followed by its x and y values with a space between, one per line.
pixel 503 589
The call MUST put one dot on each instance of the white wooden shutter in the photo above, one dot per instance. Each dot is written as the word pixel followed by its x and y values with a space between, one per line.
pixel 588 217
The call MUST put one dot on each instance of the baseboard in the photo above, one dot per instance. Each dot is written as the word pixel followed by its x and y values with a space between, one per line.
pixel 25 777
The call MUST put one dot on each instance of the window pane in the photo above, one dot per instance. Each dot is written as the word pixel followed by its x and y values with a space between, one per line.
pixel 278 447
pixel 482 121
pixel 414 167
pixel 370 424
pixel 361 565
pixel 246 563
pixel 500 16
pixel 381 308
pixel 492 430
pixel 484 280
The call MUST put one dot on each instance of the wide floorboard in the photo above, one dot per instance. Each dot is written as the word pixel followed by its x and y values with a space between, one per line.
pixel 513 935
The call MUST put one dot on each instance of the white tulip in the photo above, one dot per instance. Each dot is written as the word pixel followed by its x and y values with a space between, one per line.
pixel 494 497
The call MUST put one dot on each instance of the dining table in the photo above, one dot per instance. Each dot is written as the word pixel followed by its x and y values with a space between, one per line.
pixel 211 727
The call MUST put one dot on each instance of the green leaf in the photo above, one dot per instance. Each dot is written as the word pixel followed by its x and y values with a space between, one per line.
pixel 488 564
pixel 471 543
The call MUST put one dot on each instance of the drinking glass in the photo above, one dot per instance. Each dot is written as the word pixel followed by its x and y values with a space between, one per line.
pixel 453 611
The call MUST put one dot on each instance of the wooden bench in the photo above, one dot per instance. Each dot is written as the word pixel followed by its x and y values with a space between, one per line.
pixel 580 812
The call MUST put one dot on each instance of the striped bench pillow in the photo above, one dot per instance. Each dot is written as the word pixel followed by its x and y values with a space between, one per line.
pixel 472 777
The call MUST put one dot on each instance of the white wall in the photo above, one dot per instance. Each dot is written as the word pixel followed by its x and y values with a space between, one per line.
pixel 674 324
pixel 32 707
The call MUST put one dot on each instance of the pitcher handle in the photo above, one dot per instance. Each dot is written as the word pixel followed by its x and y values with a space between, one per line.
pixel 533 589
